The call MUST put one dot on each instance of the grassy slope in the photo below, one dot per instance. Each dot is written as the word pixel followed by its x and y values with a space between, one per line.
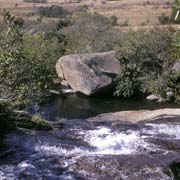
pixel 138 13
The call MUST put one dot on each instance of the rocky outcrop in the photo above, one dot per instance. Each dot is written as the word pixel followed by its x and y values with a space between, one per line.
pixel 89 73
pixel 137 116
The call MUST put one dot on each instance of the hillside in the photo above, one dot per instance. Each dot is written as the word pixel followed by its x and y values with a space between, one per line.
pixel 129 12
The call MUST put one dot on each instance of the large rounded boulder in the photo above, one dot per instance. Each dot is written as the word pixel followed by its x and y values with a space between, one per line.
pixel 89 73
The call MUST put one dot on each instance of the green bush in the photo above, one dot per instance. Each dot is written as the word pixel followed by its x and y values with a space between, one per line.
pixel 128 82
pixel 125 23
pixel 39 123
pixel 53 11
pixel 90 33
pixel 27 62
pixel 165 19
pixel 63 23
pixel 35 1
pixel 113 20
pixel 144 57
pixel 173 84
pixel 26 72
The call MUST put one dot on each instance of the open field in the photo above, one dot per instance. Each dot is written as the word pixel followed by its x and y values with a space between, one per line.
pixel 132 13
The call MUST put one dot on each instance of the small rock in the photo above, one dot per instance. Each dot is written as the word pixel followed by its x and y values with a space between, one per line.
pixel 154 97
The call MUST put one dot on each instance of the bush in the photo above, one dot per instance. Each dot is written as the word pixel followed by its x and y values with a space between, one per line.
pixel 125 23
pixel 128 80
pixel 53 12
pixel 164 19
pixel 39 123
pixel 144 57
pixel 113 20
pixel 173 84
pixel 91 33
pixel 27 63
pixel 26 72
pixel 63 23
pixel 35 1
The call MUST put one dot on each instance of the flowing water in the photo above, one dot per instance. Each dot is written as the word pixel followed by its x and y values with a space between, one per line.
pixel 82 150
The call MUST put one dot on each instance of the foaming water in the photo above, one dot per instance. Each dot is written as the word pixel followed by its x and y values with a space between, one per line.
pixel 43 159
pixel 172 130
pixel 111 142
pixel 103 141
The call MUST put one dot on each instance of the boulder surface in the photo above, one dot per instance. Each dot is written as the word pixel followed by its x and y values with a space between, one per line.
pixel 89 73
pixel 176 66
pixel 137 116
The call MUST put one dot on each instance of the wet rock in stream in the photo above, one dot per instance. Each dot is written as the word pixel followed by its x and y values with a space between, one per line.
pixel 123 168
pixel 85 150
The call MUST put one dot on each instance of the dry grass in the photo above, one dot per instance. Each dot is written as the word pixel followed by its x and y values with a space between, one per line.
pixel 134 12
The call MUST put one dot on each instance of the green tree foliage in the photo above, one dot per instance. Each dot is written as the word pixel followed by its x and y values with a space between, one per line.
pixel 165 19
pixel 53 11
pixel 113 20
pixel 144 57
pixel 175 46
pixel 27 62
pixel 173 84
pixel 26 67
pixel 173 78
pixel 11 59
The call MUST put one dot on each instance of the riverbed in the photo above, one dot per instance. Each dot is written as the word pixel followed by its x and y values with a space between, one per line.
pixel 79 149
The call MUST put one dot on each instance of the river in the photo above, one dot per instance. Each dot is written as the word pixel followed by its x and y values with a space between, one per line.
pixel 78 149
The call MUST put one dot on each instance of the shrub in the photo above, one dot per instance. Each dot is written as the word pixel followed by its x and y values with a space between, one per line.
pixel 125 23
pixel 82 8
pixel 53 11
pixel 27 63
pixel 35 1
pixel 173 84
pixel 175 46
pixel 91 33
pixel 128 80
pixel 39 123
pixel 164 19
pixel 63 23
pixel 113 20
pixel 144 57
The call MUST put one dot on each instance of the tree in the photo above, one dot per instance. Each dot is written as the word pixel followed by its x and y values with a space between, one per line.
pixel 27 62
pixel 11 58
pixel 26 69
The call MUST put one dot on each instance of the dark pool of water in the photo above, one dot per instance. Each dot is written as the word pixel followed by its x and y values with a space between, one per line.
pixel 75 106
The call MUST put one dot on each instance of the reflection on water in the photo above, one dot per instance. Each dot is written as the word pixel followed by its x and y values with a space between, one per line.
pixel 76 106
